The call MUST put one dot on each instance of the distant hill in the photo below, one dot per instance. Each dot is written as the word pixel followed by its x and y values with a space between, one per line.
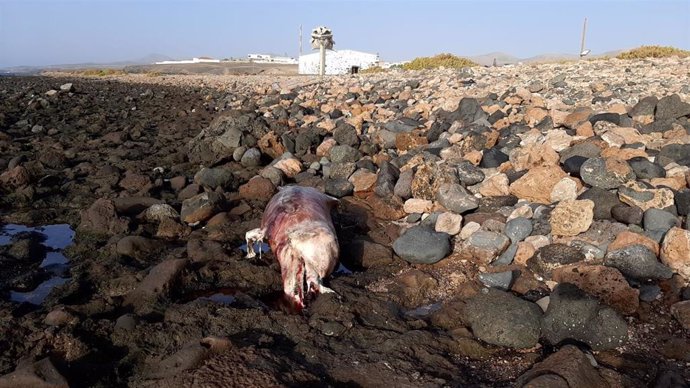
pixel 147 60
pixel 488 59
pixel 506 59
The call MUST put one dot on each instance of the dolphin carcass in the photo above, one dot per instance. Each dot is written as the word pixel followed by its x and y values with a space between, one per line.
pixel 297 223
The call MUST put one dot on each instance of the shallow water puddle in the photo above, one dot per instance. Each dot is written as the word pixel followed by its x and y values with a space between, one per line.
pixel 423 311
pixel 258 247
pixel 54 238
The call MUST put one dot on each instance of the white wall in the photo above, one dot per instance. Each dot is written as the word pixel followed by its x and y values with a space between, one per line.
pixel 337 62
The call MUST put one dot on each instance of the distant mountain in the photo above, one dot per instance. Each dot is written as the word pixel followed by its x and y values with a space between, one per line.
pixel 506 59
pixel 488 59
pixel 147 60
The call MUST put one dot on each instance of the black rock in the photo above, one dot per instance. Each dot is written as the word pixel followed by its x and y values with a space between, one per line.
pixel 637 262
pixel 336 113
pixel 586 149
pixel 501 318
pixel 644 169
pixel 614 118
pixel 497 115
pixel 551 256
pixel 657 126
pixel 338 187
pixel 346 134
pixel 436 130
pixel 682 200
pixel 541 221
pixel 456 198
pixel 344 154
pixel 216 177
pixel 493 204
pixel 400 126
pixel 595 173
pixel 678 153
pixel 403 187
pixel 604 202
pixel 493 157
pixel 468 112
pixel 574 315
pixel 366 164
pixel 671 107
pixel 288 142
pixel 386 179
pixel 659 220
pixel 515 175
pixel 422 245
pixel 645 107
pixel 573 164
pixel 631 215
pixel 469 174
pixel 306 139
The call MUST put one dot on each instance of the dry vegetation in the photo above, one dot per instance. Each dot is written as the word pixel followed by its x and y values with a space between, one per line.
pixel 653 52
pixel 373 70
pixel 441 60
pixel 101 72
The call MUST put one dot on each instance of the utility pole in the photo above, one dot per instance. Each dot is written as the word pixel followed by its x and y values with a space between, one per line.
pixel 582 45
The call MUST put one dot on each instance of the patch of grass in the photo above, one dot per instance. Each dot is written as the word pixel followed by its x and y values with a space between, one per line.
pixel 448 61
pixel 102 72
pixel 373 70
pixel 653 52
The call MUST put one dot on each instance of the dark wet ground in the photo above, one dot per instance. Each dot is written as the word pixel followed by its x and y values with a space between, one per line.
pixel 51 240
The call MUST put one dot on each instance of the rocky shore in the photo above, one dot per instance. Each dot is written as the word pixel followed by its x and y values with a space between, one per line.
pixel 507 226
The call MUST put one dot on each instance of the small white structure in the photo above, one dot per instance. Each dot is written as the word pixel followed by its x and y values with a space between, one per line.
pixel 193 60
pixel 267 58
pixel 338 62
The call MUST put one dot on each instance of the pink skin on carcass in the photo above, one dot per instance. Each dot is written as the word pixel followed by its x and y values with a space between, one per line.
pixel 297 222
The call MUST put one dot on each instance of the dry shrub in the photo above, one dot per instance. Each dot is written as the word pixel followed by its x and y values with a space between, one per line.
pixel 653 52
pixel 448 61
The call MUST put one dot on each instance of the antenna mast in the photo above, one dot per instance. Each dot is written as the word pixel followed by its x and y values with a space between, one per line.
pixel 582 45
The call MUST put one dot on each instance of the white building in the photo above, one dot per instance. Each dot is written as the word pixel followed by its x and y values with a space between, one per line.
pixel 193 60
pixel 267 58
pixel 338 62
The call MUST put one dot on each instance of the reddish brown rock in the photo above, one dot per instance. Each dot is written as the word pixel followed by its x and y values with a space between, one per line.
pixel 576 118
pixel 537 184
pixel 362 180
pixel 169 228
pixel 409 140
pixel 386 208
pixel 606 283
pixel 40 374
pixel 569 367
pixel 627 238
pixel 270 145
pixel 201 207
pixel 258 188
pixel 16 177
pixel 681 311
pixel 101 218
pixel 135 183
pixel 675 251
pixel 156 284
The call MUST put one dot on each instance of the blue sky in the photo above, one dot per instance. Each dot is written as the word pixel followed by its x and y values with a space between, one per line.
pixel 41 32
